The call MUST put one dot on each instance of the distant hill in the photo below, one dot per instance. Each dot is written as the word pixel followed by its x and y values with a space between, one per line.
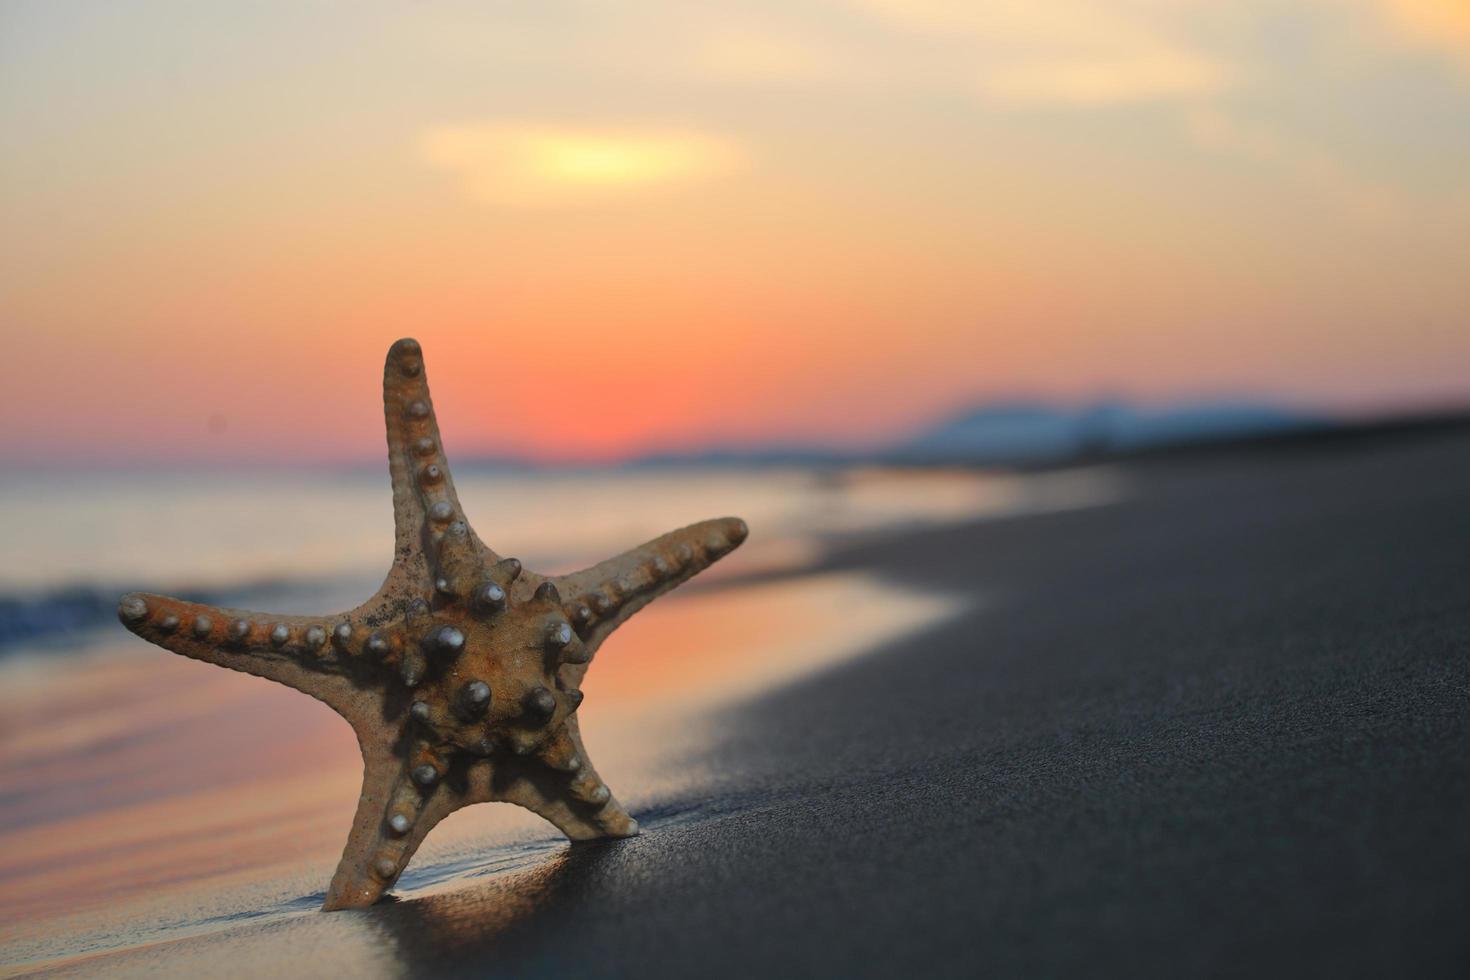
pixel 741 456
pixel 1028 433
pixel 1034 432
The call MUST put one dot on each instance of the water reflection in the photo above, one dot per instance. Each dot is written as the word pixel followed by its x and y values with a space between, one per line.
pixel 171 812
pixel 238 789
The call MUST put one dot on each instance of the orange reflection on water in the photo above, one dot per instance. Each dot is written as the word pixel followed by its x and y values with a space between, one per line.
pixel 735 643
pixel 136 773
pixel 152 794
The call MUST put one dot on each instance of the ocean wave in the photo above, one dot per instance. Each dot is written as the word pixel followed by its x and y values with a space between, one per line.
pixel 76 614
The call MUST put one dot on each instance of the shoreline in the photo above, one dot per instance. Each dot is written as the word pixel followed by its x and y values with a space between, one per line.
pixel 1217 727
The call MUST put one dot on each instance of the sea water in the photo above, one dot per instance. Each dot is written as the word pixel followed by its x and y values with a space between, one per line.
pixel 146 798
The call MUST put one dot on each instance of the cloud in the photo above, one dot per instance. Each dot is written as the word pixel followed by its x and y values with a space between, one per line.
pixel 1065 52
pixel 532 165
pixel 1434 23
pixel 1142 77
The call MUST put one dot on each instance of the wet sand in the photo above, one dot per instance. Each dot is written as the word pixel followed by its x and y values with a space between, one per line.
pixel 1217 727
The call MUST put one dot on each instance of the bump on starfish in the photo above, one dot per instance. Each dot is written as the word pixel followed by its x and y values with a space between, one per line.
pixel 462 675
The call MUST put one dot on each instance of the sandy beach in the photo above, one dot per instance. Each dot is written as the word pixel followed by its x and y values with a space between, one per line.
pixel 1217 727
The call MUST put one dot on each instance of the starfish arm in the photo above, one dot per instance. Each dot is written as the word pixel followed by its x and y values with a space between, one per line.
pixel 395 812
pixel 308 653
pixel 403 799
pixel 603 597
pixel 560 785
pixel 433 541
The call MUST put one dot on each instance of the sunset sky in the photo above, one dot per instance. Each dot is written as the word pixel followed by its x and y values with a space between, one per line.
pixel 624 226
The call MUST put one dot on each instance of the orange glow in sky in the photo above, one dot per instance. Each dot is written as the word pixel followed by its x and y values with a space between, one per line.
pixel 621 228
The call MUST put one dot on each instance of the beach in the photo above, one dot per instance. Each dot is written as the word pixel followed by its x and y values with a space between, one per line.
pixel 1208 720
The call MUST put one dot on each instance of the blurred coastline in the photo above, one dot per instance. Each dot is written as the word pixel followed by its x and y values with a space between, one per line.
pixel 255 536
pixel 178 796
pixel 147 798
pixel 291 540
pixel 906 652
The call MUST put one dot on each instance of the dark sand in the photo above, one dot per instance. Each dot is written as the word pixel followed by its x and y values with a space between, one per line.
pixel 1217 729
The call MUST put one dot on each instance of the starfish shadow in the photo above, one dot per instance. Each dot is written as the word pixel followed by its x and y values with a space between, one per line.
pixel 443 931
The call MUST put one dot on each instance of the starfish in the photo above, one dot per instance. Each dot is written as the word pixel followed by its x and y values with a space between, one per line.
pixel 463 674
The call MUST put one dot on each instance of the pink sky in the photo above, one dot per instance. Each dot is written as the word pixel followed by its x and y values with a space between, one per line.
pixel 632 227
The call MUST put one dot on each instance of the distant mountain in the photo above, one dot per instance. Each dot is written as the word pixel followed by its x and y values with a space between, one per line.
pixel 1034 432
pixel 1028 433
pixel 742 456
